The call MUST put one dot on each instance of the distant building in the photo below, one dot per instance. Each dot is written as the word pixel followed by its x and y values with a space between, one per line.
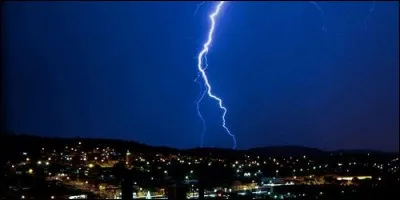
pixel 349 178
pixel 83 196
pixel 128 159
pixel 269 180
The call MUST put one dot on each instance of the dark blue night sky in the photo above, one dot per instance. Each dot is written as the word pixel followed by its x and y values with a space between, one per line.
pixel 126 70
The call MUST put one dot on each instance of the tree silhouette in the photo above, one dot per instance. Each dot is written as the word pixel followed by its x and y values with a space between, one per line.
pixel 355 181
pixel 211 175
pixel 94 174
pixel 125 177
pixel 118 170
pixel 329 179
pixel 177 172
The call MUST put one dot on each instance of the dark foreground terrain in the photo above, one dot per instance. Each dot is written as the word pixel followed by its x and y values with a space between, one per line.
pixel 61 168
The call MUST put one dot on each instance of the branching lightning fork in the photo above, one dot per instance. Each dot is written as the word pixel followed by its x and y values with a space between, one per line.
pixel 200 98
pixel 324 28
pixel 202 70
pixel 371 9
pixel 203 66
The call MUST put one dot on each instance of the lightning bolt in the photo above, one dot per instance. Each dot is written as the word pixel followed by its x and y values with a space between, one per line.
pixel 202 71
pixel 371 9
pixel 197 8
pixel 201 96
pixel 203 132
pixel 324 28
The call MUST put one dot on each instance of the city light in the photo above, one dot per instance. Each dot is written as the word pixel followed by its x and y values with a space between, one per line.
pixel 250 175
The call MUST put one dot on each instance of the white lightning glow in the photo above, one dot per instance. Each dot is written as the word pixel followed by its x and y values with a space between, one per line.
pixel 197 8
pixel 371 9
pixel 324 28
pixel 202 70
pixel 201 96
